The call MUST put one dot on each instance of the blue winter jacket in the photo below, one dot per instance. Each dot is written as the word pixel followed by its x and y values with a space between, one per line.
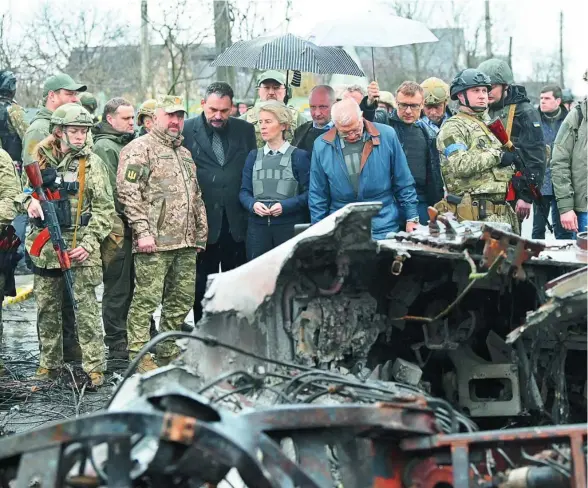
pixel 384 177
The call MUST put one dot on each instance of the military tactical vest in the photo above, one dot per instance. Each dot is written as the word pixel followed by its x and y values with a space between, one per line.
pixel 272 177
pixel 11 142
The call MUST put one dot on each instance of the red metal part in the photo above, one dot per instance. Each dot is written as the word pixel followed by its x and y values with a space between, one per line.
pixel 515 249
pixel 39 242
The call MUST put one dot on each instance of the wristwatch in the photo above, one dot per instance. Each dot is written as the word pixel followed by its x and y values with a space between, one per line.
pixel 416 220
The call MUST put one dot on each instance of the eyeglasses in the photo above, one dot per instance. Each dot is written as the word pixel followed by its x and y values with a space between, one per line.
pixel 406 106
pixel 354 132
pixel 319 107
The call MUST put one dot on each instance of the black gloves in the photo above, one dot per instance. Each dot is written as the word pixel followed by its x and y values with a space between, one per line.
pixel 507 159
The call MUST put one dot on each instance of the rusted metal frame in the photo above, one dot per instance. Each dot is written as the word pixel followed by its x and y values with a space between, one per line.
pixel 460 445
pixel 96 427
pixel 413 418
pixel 119 464
pixel 311 452
pixel 516 249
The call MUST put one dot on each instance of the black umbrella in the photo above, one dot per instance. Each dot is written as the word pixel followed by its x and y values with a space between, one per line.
pixel 288 52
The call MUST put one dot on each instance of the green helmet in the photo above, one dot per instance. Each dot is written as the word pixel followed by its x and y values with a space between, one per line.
pixel 89 102
pixel 498 71
pixel 436 91
pixel 147 108
pixel 567 96
pixel 71 114
pixel 468 78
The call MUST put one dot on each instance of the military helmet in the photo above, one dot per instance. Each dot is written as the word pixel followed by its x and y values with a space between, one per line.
pixel 436 91
pixel 468 78
pixel 7 82
pixel 498 71
pixel 71 114
pixel 567 96
pixel 147 108
pixel 387 98
pixel 89 102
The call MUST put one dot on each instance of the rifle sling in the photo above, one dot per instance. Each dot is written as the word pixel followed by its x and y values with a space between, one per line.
pixel 82 180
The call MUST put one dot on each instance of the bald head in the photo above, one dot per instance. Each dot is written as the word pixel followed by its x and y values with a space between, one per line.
pixel 348 120
pixel 321 100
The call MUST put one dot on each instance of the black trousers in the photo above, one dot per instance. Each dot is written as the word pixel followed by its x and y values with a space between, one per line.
pixel 118 293
pixel 262 238
pixel 226 253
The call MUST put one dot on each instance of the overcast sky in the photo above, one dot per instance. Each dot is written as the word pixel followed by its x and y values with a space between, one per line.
pixel 533 24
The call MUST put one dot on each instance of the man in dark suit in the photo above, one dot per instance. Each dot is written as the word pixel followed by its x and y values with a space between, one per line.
pixel 219 145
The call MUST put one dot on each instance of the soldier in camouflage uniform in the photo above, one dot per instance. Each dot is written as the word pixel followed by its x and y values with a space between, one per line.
pixel 471 156
pixel 145 116
pixel 509 101
pixel 161 199
pixel 60 157
pixel 57 90
pixel 12 130
pixel 272 86
pixel 10 189
pixel 12 117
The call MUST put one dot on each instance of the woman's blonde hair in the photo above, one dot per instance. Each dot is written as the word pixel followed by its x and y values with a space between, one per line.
pixel 280 110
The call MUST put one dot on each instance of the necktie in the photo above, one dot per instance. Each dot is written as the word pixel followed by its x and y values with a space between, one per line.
pixel 217 147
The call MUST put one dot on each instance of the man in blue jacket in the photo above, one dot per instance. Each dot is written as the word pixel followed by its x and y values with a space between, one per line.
pixel 359 161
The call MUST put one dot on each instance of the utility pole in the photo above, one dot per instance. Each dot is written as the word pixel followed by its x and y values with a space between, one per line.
pixel 144 51
pixel 488 24
pixel 222 36
pixel 561 58
pixel 510 52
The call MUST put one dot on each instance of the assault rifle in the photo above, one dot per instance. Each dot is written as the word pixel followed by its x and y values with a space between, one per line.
pixel 522 176
pixel 52 230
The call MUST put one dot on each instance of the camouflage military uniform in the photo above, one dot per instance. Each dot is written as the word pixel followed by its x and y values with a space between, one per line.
pixel 10 189
pixel 252 116
pixel 48 283
pixel 160 195
pixel 470 163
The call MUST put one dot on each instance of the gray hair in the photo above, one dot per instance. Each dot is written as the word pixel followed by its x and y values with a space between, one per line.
pixel 112 106
pixel 357 88
pixel 328 89
pixel 344 111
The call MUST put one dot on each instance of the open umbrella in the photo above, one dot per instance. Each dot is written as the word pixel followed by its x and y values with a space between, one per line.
pixel 370 27
pixel 288 52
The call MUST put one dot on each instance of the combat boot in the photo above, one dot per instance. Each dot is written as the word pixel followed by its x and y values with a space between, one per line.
pixel 97 378
pixel 146 364
pixel 44 374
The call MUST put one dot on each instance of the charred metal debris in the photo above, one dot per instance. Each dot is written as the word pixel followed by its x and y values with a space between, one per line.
pixel 453 356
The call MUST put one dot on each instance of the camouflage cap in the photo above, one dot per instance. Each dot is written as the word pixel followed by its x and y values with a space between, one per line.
pixel 170 104
pixel 62 82
pixel 272 75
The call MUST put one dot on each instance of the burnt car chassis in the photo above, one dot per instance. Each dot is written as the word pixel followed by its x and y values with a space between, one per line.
pixel 391 444
pixel 365 314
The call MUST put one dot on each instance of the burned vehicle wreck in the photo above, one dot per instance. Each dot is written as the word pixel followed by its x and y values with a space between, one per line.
pixel 433 309
pixel 454 356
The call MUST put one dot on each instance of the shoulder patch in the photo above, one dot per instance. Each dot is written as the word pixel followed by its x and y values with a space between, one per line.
pixel 536 124
pixel 448 141
pixel 132 173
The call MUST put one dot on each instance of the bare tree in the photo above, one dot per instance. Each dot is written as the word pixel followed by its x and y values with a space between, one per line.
pixel 182 31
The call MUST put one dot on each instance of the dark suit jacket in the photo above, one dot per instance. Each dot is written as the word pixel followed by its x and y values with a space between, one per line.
pixel 220 185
